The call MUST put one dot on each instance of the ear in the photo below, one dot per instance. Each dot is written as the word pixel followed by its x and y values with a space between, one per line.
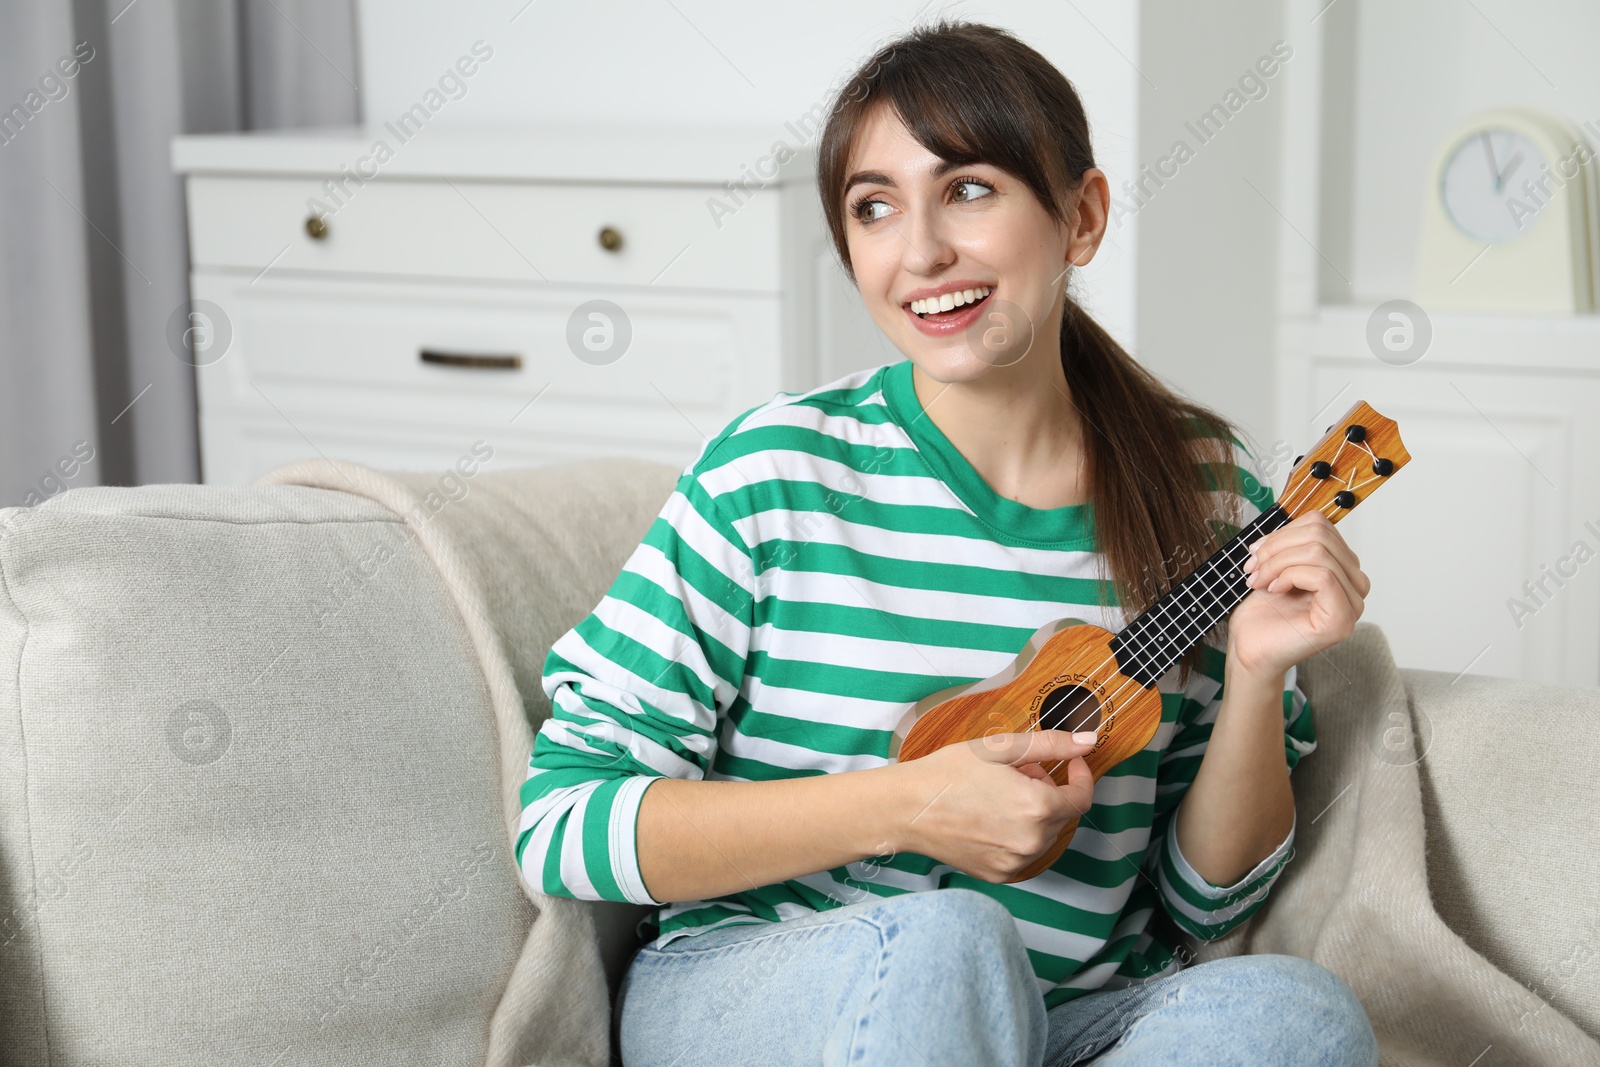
pixel 1093 201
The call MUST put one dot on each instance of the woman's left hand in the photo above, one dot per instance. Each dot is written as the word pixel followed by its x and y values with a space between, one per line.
pixel 1308 590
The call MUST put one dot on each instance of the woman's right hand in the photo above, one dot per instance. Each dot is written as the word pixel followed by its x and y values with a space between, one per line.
pixel 988 807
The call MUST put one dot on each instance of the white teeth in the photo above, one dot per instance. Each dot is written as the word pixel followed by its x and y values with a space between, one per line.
pixel 949 301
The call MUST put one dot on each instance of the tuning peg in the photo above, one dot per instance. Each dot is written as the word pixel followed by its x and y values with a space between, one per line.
pixel 1355 433
pixel 1383 466
pixel 1345 498
pixel 1298 458
pixel 1320 469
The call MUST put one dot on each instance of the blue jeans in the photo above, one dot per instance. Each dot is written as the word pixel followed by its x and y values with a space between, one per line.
pixel 942 977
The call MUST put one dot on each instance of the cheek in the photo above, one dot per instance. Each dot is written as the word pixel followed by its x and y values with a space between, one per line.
pixel 1020 258
pixel 875 280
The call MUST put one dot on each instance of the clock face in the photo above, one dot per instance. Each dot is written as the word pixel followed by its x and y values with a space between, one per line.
pixel 1482 176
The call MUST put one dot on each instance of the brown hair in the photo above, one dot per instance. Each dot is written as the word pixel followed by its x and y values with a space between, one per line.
pixel 974 93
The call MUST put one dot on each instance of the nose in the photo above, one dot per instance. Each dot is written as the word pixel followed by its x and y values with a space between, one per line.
pixel 928 249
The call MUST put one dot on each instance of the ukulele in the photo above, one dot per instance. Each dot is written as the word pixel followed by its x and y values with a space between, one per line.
pixel 1072 675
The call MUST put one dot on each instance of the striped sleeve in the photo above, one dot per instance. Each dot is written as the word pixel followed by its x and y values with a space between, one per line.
pixel 636 691
pixel 1204 910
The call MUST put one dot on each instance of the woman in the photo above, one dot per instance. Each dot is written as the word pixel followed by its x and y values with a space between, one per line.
pixel 721 722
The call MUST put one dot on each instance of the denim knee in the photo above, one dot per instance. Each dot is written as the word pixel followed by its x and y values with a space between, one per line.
pixel 961 948
pixel 962 910
pixel 1319 995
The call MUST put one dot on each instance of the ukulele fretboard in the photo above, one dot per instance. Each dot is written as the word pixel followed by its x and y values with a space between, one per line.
pixel 1149 645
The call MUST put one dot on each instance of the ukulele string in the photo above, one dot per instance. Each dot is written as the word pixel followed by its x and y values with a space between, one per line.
pixel 1204 623
pixel 1146 637
pixel 1141 641
pixel 1208 587
pixel 1205 573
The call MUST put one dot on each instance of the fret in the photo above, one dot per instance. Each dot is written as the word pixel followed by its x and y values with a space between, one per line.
pixel 1148 646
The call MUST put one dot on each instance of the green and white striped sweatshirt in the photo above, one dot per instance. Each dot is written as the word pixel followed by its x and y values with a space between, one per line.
pixel 826 561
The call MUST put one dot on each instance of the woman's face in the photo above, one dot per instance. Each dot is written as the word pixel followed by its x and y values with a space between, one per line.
pixel 917 226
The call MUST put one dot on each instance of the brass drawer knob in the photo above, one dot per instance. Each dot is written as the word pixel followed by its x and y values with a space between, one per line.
pixel 610 238
pixel 316 228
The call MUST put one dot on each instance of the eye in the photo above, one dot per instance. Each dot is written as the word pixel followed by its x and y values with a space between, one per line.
pixel 856 207
pixel 978 182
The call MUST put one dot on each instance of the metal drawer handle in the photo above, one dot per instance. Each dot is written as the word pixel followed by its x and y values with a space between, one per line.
pixel 462 359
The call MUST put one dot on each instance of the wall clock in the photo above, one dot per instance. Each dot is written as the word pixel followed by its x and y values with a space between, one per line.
pixel 1511 218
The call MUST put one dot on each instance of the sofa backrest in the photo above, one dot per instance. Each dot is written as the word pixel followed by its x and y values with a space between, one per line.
pixel 543 544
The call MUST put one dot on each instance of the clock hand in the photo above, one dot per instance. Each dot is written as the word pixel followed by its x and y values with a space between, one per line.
pixel 1510 166
pixel 1494 168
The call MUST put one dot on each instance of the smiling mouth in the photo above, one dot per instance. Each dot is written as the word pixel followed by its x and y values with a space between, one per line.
pixel 959 309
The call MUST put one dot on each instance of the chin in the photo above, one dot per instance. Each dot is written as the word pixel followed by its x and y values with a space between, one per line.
pixel 953 363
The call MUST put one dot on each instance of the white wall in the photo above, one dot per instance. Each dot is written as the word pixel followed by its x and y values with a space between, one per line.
pixel 1207 264
pixel 710 60
pixel 1421 67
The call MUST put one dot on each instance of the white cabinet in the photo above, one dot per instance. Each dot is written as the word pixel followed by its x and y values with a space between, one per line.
pixel 1484 553
pixel 452 296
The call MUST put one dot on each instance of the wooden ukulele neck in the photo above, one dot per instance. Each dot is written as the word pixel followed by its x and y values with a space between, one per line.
pixel 1358 453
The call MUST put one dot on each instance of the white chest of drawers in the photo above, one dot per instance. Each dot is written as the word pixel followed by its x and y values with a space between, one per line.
pixel 559 292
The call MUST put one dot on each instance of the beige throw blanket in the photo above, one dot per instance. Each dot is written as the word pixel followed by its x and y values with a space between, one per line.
pixel 1355 895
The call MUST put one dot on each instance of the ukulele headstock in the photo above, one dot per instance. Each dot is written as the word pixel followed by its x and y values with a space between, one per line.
pixel 1360 452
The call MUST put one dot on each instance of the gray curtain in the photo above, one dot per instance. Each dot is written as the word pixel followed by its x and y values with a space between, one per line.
pixel 93 243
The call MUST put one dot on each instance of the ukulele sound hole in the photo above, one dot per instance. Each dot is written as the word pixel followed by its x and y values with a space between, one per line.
pixel 1071 707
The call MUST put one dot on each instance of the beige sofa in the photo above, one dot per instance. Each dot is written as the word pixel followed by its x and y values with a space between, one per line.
pixel 260 750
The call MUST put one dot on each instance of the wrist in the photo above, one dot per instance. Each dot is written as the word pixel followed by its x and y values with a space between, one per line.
pixel 1256 684
pixel 888 804
pixel 1238 673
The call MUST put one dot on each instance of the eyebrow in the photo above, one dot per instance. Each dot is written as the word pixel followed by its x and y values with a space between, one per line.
pixel 875 177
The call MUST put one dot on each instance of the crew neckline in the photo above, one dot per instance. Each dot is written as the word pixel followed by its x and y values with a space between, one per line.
pixel 1069 526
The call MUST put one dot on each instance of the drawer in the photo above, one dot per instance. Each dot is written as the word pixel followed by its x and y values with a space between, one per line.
pixel 239 445
pixel 308 350
pixel 507 231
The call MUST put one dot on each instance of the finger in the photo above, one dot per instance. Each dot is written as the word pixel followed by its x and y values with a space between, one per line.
pixel 1312 555
pixel 1078 793
pixel 1312 527
pixel 1325 585
pixel 1319 528
pixel 1031 746
pixel 1354 599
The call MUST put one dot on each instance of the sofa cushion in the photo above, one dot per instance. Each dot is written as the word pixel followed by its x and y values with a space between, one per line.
pixel 250 797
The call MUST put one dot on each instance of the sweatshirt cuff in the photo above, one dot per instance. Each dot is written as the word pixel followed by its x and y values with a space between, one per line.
pixel 1210 907
pixel 622 839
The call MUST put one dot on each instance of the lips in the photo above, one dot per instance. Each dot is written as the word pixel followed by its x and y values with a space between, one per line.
pixel 945 323
pixel 961 293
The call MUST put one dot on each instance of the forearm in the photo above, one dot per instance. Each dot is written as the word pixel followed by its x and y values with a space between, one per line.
pixel 1240 806
pixel 699 839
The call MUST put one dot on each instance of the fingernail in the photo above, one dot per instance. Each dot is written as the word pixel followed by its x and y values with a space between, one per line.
pixel 1250 564
pixel 1086 737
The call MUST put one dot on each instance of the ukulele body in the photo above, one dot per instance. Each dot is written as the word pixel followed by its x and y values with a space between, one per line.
pixel 1065 678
